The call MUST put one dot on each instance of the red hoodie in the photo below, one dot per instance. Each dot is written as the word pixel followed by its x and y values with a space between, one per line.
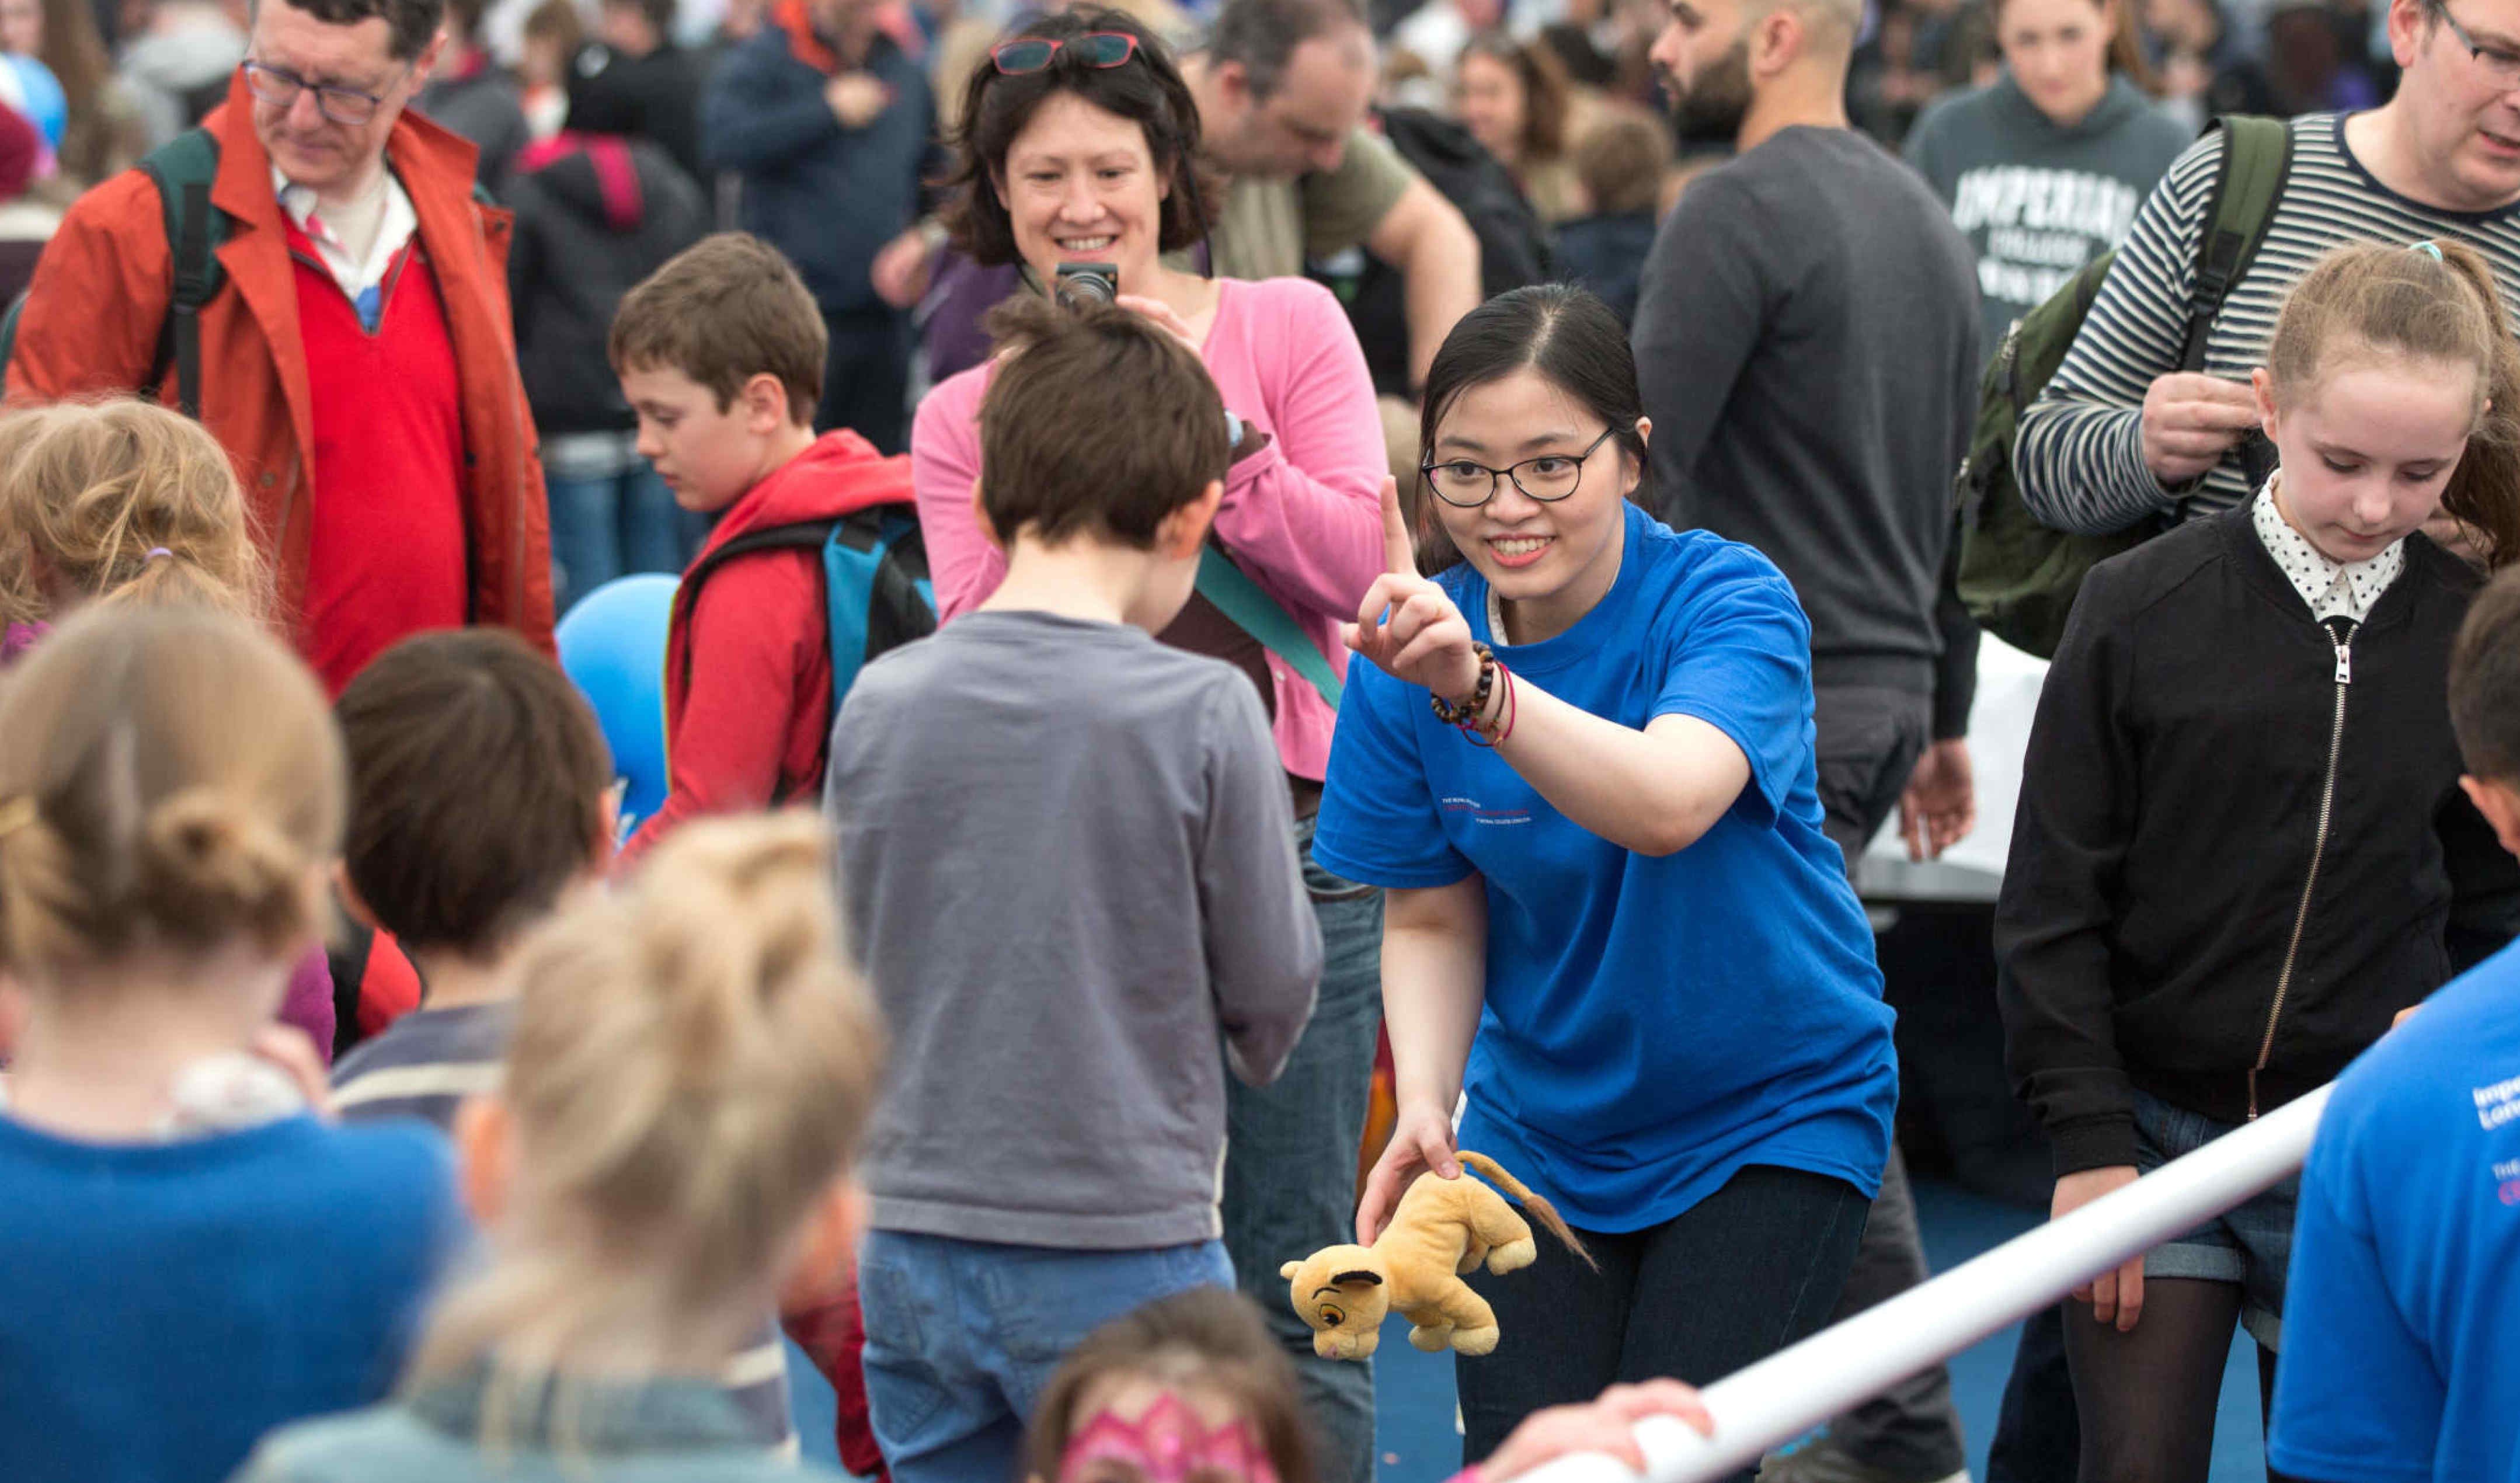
pixel 748 665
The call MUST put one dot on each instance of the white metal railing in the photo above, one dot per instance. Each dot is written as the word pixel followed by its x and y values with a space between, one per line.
pixel 1790 1392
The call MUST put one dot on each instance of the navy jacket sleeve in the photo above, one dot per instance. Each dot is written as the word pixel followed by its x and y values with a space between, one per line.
pixel 764 107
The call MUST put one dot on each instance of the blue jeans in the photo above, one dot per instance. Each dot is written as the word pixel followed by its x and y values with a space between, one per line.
pixel 962 1336
pixel 602 529
pixel 1291 1152
pixel 2249 1245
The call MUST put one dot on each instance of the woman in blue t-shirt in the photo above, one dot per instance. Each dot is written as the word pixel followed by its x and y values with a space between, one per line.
pixel 1612 916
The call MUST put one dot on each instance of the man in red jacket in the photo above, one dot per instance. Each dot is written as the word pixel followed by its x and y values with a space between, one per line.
pixel 358 363
pixel 720 354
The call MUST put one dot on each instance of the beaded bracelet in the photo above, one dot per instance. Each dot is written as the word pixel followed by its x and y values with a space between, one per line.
pixel 1467 711
pixel 1490 739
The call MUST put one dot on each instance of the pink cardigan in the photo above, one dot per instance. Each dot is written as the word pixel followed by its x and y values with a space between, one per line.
pixel 1303 515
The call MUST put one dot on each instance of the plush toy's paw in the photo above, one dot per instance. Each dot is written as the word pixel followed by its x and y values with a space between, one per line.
pixel 1432 1340
pixel 1513 1254
pixel 1475 1341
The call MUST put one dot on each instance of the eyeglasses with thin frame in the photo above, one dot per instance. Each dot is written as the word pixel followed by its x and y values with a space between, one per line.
pixel 2500 63
pixel 1467 484
pixel 1034 54
pixel 280 87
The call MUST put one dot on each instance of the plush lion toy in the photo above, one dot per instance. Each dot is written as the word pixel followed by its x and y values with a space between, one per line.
pixel 1442 1228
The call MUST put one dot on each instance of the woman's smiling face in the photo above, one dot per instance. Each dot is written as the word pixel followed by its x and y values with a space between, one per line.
pixel 1080 186
pixel 1561 554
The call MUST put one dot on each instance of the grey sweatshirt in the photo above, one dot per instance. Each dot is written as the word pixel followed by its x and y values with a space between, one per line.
pixel 2038 199
pixel 1806 340
pixel 1067 863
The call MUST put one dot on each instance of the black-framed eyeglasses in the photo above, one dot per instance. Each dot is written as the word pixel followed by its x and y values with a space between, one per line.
pixel 280 87
pixel 1033 54
pixel 1548 478
pixel 2501 63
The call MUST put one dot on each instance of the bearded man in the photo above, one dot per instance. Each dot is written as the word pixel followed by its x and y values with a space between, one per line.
pixel 1807 343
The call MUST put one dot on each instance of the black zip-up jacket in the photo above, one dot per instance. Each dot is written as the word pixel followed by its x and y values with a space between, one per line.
pixel 2203 750
pixel 594 214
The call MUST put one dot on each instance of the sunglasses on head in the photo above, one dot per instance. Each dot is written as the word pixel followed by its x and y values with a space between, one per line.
pixel 1033 54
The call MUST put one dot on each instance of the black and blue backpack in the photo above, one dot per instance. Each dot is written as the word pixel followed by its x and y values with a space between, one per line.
pixel 876 593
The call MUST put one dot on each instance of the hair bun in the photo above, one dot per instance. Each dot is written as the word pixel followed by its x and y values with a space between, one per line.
pixel 209 865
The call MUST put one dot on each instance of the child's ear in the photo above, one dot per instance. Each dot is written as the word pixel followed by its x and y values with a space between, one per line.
pixel 2265 386
pixel 980 515
pixel 352 901
pixel 1185 530
pixel 765 405
pixel 2499 804
pixel 484 1155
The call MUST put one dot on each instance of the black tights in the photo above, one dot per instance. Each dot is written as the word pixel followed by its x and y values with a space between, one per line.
pixel 2147 1399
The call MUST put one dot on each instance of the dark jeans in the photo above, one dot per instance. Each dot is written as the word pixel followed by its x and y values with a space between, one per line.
pixel 1868 743
pixel 866 378
pixel 602 529
pixel 1746 1272
pixel 1290 1154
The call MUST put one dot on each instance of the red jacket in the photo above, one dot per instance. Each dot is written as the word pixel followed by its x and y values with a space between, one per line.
pixel 101 292
pixel 748 664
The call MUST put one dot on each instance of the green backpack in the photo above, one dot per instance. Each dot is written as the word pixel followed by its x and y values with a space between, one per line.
pixel 2017 576
pixel 183 170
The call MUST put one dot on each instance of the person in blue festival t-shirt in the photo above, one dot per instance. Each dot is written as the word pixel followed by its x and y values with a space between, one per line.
pixel 1614 916
pixel 2401 1327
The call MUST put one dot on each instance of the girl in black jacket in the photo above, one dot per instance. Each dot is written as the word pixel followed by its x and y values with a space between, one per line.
pixel 2241 838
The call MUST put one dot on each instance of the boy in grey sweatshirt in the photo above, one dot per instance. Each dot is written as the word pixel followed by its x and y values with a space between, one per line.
pixel 1066 867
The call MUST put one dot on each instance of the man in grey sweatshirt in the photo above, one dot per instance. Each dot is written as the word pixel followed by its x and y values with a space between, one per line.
pixel 1807 344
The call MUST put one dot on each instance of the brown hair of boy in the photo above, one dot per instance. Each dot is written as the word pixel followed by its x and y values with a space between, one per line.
pixel 1208 1338
pixel 692 1063
pixel 1096 421
pixel 2485 682
pixel 169 780
pixel 123 501
pixel 477 784
pixel 1621 160
pixel 722 311
pixel 2370 298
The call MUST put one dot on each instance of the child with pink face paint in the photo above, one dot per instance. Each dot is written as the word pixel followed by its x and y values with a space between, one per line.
pixel 1192 1389
pixel 2242 848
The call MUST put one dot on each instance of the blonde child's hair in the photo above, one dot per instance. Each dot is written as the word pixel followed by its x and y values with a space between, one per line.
pixel 168 781
pixel 2436 301
pixel 127 501
pixel 691 1061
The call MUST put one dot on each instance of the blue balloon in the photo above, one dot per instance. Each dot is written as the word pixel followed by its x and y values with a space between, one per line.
pixel 613 645
pixel 29 87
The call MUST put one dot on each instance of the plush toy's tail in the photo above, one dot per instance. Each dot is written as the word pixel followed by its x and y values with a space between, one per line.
pixel 1523 1196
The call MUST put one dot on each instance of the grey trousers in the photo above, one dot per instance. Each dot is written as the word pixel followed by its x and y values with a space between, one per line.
pixel 1868 743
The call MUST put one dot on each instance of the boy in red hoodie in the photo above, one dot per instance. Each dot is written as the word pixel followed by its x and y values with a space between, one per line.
pixel 720 352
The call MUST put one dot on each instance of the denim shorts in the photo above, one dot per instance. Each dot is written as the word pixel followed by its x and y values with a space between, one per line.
pixel 2250 1245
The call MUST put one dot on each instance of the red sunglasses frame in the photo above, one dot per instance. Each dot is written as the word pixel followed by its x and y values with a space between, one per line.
pixel 1057 44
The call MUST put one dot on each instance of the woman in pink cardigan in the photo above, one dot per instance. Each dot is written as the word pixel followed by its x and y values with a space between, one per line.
pixel 1076 145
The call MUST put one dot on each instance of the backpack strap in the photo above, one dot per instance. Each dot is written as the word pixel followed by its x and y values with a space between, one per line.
pixel 2257 156
pixel 803 535
pixel 1255 613
pixel 183 170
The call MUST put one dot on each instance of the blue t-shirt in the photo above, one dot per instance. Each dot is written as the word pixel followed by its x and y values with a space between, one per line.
pixel 163 1305
pixel 2402 1322
pixel 1651 1025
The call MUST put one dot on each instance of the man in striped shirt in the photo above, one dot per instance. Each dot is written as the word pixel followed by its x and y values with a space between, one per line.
pixel 2122 435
